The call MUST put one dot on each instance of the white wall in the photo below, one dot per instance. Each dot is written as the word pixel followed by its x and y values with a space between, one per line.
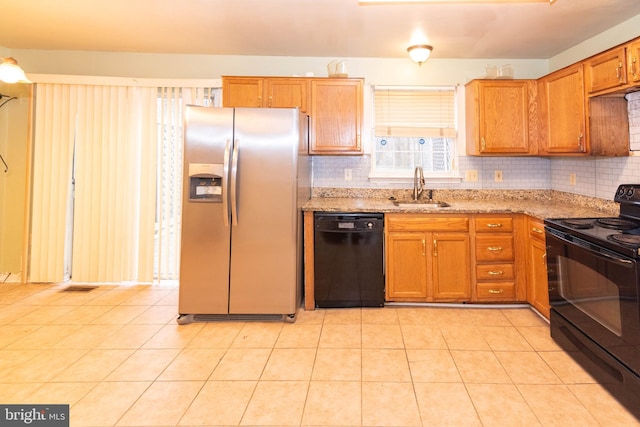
pixel 619 34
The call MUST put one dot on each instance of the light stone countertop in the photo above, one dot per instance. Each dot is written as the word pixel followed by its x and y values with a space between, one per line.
pixel 540 204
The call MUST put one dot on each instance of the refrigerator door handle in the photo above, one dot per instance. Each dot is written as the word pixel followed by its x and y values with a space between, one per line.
pixel 234 183
pixel 225 187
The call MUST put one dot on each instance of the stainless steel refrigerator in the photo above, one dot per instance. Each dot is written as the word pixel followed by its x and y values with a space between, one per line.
pixel 246 176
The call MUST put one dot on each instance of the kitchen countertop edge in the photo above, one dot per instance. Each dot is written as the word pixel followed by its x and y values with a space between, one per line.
pixel 540 209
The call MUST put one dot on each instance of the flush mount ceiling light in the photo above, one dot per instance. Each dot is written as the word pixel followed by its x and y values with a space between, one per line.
pixel 10 71
pixel 454 1
pixel 419 52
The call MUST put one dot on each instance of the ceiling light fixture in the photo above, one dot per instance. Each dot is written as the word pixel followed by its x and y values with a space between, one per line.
pixel 10 71
pixel 419 52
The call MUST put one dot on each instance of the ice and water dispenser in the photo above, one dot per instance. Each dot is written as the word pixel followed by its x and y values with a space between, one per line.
pixel 205 182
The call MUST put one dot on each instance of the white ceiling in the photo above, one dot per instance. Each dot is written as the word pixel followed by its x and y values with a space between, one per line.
pixel 324 28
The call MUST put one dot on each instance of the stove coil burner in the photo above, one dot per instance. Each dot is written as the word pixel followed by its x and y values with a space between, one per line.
pixel 578 223
pixel 625 239
pixel 617 223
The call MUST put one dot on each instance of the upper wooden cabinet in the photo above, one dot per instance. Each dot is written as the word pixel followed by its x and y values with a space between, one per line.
pixel 335 106
pixel 606 70
pixel 563 112
pixel 336 116
pixel 633 62
pixel 265 92
pixel 500 117
pixel 616 70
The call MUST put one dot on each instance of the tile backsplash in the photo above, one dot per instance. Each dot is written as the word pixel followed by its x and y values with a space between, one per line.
pixel 594 176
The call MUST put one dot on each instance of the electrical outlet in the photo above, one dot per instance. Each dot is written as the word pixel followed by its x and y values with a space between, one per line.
pixel 348 175
pixel 572 178
pixel 497 176
pixel 471 175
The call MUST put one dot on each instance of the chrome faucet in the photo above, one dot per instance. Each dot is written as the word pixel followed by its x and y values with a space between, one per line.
pixel 418 182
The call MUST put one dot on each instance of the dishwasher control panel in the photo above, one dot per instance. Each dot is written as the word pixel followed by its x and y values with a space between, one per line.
pixel 349 222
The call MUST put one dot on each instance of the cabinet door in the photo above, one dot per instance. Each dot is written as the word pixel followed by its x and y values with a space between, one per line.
pixel 336 116
pixel 286 93
pixel 606 71
pixel 451 266
pixel 502 117
pixel 242 92
pixel 564 112
pixel 538 294
pixel 406 266
pixel 633 62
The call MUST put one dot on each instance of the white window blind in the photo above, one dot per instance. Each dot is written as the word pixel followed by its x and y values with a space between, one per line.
pixel 414 126
pixel 415 112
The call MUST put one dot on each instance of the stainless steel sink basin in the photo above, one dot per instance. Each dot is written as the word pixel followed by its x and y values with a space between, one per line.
pixel 420 204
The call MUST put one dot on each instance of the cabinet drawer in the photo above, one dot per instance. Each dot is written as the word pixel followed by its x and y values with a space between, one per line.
pixel 495 272
pixel 409 222
pixel 536 230
pixel 494 224
pixel 494 248
pixel 496 291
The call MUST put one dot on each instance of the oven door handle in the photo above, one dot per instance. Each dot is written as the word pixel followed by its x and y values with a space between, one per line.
pixel 603 253
pixel 615 259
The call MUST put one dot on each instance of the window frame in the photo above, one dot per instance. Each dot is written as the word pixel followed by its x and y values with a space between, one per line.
pixel 405 175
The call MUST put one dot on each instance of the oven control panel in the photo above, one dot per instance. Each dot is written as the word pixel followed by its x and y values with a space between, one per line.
pixel 628 193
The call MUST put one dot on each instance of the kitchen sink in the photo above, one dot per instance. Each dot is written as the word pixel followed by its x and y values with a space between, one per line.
pixel 421 204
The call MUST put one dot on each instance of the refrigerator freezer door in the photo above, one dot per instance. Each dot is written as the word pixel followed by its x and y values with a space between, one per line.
pixel 264 272
pixel 204 260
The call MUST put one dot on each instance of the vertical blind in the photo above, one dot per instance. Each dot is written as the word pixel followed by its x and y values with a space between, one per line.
pixel 122 147
pixel 54 134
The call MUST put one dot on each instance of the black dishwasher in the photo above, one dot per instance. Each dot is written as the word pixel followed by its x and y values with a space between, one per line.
pixel 349 259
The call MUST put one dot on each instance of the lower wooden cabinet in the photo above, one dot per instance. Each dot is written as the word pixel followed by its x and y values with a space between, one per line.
pixel 428 258
pixel 495 258
pixel 537 285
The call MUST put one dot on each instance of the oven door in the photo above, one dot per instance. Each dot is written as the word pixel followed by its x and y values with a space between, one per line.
pixel 596 291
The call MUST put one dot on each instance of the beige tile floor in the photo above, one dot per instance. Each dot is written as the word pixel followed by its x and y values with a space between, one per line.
pixel 117 356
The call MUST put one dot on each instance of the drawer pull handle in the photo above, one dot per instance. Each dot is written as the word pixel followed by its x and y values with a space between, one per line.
pixel 496 273
pixel 424 247
pixel 497 225
pixel 536 230
pixel 496 291
pixel 494 248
